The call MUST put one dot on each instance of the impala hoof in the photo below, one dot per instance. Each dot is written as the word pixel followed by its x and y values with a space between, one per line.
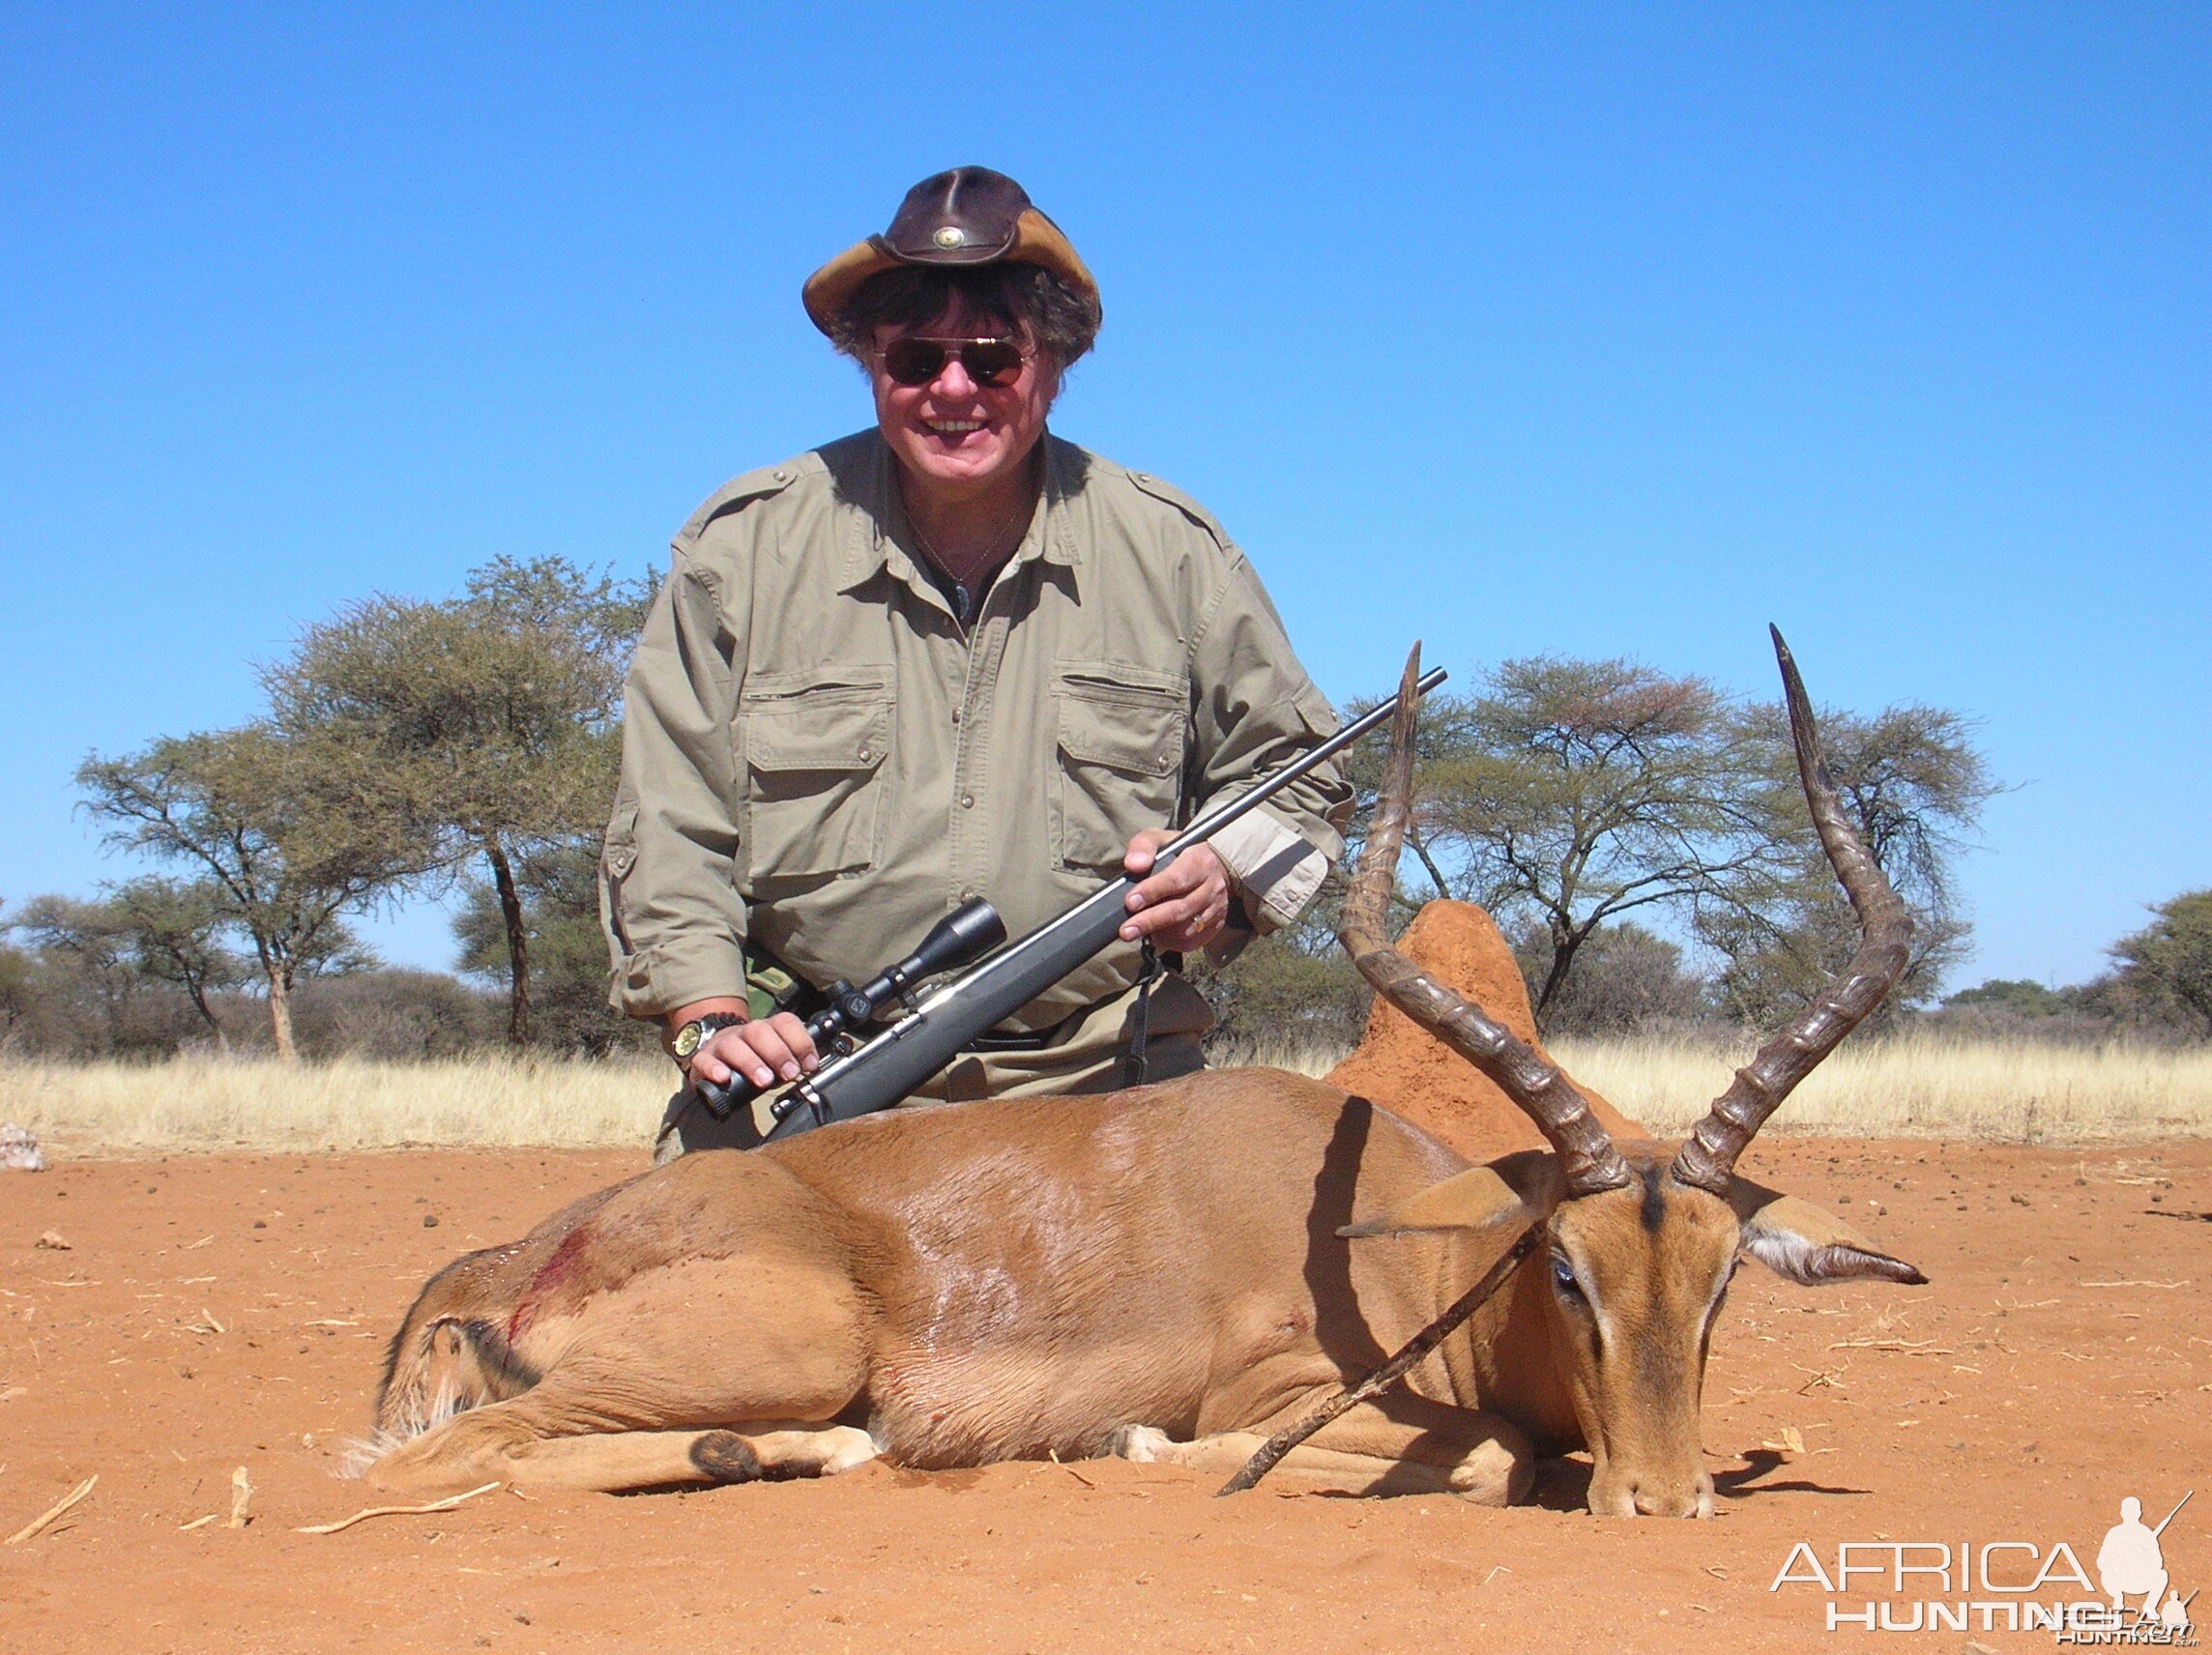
pixel 726 1457
pixel 1145 1445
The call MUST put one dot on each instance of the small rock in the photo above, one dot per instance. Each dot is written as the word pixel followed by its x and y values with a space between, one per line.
pixel 20 1151
pixel 52 1242
pixel 429 1221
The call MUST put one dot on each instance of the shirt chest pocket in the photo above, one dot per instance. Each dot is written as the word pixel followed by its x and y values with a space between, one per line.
pixel 814 753
pixel 1121 739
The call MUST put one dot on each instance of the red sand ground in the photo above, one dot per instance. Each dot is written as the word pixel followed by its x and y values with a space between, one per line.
pixel 2013 1399
pixel 214 1311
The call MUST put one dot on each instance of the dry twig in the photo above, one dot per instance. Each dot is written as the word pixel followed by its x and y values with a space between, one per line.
pixel 1903 1346
pixel 38 1524
pixel 445 1504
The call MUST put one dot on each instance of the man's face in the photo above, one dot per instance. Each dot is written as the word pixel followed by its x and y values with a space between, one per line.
pixel 956 437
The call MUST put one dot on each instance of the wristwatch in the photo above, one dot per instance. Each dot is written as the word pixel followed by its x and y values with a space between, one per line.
pixel 690 1036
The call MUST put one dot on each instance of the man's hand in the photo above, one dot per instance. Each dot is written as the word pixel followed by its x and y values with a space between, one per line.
pixel 1184 906
pixel 762 1052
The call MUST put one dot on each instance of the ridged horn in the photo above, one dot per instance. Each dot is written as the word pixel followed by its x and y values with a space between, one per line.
pixel 1709 1156
pixel 1587 1153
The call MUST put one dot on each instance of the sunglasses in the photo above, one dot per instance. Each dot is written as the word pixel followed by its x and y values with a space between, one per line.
pixel 992 363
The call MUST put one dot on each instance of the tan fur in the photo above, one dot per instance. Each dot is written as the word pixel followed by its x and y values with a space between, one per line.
pixel 1021 1278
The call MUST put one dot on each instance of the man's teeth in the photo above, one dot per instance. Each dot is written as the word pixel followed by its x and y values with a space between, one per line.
pixel 954 428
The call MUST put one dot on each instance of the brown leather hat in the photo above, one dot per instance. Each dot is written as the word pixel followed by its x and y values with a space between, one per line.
pixel 970 216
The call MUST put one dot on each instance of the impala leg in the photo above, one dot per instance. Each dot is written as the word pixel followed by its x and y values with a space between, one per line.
pixel 532 1446
pixel 612 1462
pixel 1403 1445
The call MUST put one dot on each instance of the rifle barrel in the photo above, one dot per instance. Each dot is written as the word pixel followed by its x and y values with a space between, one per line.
pixel 2174 1513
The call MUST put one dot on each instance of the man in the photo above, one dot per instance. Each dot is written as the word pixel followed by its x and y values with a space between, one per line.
pixel 951 655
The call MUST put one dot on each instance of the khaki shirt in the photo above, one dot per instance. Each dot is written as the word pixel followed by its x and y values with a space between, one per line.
pixel 818 757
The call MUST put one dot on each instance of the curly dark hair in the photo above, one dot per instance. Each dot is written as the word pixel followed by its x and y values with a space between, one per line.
pixel 1026 298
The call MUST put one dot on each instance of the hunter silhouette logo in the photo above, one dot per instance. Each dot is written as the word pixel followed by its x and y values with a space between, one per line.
pixel 2130 1562
pixel 2011 1585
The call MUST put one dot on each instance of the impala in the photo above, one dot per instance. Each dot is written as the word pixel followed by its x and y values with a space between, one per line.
pixel 1169 1273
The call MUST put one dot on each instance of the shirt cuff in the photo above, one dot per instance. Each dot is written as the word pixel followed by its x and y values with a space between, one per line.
pixel 655 982
pixel 1275 871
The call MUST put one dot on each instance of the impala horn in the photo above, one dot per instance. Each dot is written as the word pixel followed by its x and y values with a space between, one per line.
pixel 1708 1155
pixel 1536 1085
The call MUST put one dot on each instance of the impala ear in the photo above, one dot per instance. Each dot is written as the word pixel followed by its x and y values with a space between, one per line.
pixel 1481 1198
pixel 1808 1244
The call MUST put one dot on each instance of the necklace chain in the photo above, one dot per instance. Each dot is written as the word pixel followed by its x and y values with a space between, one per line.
pixel 989 544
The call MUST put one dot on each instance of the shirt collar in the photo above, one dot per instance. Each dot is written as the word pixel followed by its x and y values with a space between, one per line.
pixel 873 508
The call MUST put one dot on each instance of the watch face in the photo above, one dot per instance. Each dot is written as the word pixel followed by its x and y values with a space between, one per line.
pixel 687 1038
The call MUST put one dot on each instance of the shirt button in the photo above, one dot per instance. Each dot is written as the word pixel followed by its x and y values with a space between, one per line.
pixel 956 716
pixel 966 801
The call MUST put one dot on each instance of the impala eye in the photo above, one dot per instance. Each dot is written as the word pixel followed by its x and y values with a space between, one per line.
pixel 1564 1277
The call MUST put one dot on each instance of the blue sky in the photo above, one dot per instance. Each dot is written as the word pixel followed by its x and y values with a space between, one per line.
pixel 1598 330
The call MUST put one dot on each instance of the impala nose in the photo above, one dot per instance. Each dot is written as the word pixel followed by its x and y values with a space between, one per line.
pixel 1665 1503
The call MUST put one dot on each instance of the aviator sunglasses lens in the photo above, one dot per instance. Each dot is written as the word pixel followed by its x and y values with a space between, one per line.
pixel 913 362
pixel 993 363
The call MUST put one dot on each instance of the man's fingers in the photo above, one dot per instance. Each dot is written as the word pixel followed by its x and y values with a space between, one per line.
pixel 1137 860
pixel 1200 912
pixel 795 1039
pixel 1177 880
pixel 1183 905
pixel 753 1050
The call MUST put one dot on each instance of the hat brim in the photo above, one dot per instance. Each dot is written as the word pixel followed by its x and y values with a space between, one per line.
pixel 1037 241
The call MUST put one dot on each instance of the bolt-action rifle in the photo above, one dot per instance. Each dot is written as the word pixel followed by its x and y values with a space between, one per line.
pixel 865 1075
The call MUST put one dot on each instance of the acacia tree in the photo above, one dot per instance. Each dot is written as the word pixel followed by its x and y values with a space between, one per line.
pixel 567 951
pixel 1913 785
pixel 292 835
pixel 2166 969
pixel 1572 794
pixel 95 945
pixel 175 930
pixel 1573 798
pixel 490 719
pixel 150 930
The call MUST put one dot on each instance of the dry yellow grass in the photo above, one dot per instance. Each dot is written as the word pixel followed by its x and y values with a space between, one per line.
pixel 1922 1088
pixel 1895 1089
pixel 214 1103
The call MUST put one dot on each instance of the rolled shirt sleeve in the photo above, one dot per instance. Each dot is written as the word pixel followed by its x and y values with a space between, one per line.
pixel 675 921
pixel 1257 711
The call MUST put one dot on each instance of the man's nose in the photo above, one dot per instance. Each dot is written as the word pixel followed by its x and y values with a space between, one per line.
pixel 952 382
